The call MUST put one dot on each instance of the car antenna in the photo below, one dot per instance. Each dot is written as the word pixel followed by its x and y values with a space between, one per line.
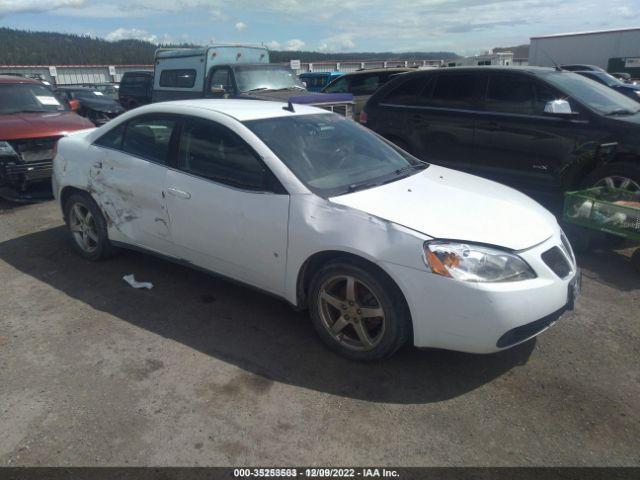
pixel 555 64
pixel 289 107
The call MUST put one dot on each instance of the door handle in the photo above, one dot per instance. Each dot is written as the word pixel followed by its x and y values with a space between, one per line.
pixel 97 164
pixel 178 193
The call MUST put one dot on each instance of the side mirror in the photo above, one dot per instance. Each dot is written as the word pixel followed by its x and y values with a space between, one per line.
pixel 74 105
pixel 558 107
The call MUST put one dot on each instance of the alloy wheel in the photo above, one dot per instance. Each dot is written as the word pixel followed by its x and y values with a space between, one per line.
pixel 83 227
pixel 351 313
pixel 618 181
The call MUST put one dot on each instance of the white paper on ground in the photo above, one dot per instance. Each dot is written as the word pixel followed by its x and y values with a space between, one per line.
pixel 131 280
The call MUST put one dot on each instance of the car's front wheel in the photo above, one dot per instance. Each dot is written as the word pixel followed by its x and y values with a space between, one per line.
pixel 358 312
pixel 623 175
pixel 87 227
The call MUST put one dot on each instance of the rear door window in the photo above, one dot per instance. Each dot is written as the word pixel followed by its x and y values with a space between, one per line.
pixel 339 86
pixel 408 93
pixel 364 84
pixel 149 137
pixel 453 91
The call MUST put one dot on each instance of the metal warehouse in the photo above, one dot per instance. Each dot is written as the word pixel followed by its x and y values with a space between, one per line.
pixel 615 50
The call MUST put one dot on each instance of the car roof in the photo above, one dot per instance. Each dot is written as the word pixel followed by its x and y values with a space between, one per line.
pixel 241 110
pixel 16 79
pixel 380 70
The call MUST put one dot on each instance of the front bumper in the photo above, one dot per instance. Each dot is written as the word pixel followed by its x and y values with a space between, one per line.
pixel 474 317
pixel 18 174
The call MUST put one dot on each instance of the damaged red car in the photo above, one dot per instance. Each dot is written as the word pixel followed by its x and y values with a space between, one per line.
pixel 32 119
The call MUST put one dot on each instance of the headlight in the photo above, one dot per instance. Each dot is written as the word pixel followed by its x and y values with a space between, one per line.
pixel 473 263
pixel 637 92
pixel 6 150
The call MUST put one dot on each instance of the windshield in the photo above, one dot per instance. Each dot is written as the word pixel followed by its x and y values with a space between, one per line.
pixel 592 94
pixel 268 77
pixel 332 155
pixel 28 97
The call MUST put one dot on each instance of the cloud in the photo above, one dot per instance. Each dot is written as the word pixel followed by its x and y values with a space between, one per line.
pixel 294 44
pixel 36 6
pixel 240 26
pixel 273 45
pixel 337 43
pixel 132 33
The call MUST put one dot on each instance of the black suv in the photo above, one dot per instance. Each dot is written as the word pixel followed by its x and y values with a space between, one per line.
pixel 539 130
pixel 135 89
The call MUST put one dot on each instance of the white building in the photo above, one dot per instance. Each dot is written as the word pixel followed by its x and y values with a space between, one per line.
pixel 589 48
pixel 489 58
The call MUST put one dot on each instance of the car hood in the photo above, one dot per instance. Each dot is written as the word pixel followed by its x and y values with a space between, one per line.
pixel 444 203
pixel 106 105
pixel 15 126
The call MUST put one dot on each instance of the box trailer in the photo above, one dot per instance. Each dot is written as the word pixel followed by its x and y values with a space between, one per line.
pixel 589 48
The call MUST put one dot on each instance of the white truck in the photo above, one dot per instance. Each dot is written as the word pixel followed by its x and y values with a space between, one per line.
pixel 235 71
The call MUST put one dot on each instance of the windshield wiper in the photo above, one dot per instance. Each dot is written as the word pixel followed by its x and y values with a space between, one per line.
pixel 411 167
pixel 354 187
pixel 622 111
pixel 256 89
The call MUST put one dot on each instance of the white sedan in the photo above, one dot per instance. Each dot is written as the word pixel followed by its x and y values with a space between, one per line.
pixel 383 249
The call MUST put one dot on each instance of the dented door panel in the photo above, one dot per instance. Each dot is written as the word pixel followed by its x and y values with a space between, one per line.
pixel 130 191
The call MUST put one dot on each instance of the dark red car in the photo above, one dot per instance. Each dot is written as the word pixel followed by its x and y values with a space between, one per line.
pixel 32 119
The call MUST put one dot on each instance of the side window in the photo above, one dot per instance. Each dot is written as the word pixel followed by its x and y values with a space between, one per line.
pixel 407 93
pixel 113 138
pixel 510 94
pixel 453 91
pixel 149 137
pixel 364 84
pixel 221 77
pixel 212 151
pixel 182 78
pixel 341 86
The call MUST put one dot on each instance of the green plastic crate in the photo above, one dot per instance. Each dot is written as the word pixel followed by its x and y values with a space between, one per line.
pixel 595 208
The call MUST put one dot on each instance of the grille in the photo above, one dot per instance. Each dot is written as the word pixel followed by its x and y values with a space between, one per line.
pixel 557 262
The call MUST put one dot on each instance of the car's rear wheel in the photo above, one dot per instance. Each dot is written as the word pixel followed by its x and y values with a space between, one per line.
pixel 357 312
pixel 87 227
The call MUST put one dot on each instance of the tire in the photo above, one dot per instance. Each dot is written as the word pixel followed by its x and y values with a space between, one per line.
pixel 618 173
pixel 87 228
pixel 329 306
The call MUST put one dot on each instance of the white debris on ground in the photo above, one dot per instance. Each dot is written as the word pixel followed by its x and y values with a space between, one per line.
pixel 131 280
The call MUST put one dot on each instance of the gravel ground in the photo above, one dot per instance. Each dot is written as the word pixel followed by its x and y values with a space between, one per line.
pixel 202 371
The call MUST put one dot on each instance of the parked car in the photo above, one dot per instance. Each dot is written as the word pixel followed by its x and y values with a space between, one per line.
pixel 136 88
pixel 537 129
pixel 316 209
pixel 316 81
pixel 235 71
pixel 622 76
pixel 627 89
pixel 363 83
pixel 582 68
pixel 32 119
pixel 108 89
pixel 93 104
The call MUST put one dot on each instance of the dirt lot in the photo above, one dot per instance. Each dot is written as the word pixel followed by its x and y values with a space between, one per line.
pixel 202 371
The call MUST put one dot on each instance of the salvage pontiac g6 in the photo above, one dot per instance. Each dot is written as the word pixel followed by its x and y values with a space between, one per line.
pixel 382 248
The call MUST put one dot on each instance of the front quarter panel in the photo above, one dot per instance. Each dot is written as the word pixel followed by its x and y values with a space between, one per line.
pixel 318 225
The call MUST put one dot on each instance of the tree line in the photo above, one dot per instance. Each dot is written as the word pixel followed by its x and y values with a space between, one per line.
pixel 21 47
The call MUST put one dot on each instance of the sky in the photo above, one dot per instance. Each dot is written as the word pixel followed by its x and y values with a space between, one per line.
pixel 465 27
